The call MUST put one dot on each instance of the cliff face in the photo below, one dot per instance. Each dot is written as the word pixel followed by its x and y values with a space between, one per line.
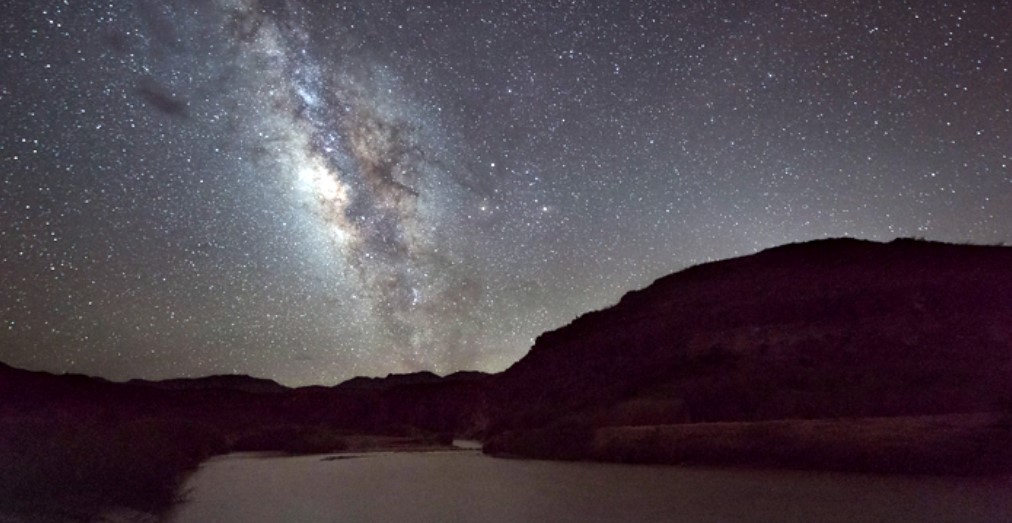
pixel 831 328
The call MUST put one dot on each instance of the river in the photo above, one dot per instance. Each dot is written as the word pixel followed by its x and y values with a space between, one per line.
pixel 468 486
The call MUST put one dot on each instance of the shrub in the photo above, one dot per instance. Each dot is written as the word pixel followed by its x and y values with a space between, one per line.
pixel 81 469
pixel 292 439
pixel 566 440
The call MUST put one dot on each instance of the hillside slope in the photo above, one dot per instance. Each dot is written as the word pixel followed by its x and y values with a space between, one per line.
pixel 827 329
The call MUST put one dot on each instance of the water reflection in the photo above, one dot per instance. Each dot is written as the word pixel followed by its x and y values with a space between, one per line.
pixel 467 486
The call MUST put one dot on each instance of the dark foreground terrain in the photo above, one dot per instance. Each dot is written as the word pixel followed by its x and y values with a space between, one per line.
pixel 73 446
pixel 834 354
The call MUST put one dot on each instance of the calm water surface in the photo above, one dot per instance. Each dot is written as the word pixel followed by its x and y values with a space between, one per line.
pixel 468 486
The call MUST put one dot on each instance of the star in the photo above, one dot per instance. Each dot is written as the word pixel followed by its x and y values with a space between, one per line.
pixel 310 192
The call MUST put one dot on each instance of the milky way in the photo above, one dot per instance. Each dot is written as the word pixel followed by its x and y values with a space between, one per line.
pixel 311 191
pixel 367 170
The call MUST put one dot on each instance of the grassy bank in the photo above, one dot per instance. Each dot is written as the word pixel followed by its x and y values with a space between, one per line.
pixel 951 444
pixel 55 470
pixel 319 439
pixel 75 470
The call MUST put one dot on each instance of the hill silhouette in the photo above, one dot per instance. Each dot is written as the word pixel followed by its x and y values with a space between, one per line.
pixel 221 381
pixel 826 328
pixel 833 329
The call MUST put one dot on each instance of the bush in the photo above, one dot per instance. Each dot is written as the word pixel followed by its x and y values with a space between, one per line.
pixel 292 439
pixel 81 469
pixel 566 440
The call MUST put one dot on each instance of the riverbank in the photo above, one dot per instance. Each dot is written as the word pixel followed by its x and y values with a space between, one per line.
pixel 72 470
pixel 959 444
pixel 132 472
pixel 423 487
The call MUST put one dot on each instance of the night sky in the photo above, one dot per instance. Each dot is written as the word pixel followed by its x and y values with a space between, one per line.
pixel 310 192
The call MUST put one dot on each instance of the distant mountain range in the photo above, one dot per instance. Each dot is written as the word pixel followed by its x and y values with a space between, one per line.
pixel 224 381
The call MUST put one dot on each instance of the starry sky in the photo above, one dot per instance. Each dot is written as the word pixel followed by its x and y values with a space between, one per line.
pixel 309 191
